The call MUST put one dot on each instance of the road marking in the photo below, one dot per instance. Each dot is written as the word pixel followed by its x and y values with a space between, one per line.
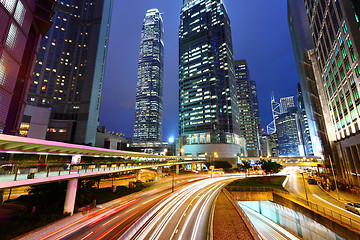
pixel 87 236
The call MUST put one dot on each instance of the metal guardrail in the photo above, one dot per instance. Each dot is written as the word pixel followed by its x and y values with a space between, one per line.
pixel 305 203
pixel 17 173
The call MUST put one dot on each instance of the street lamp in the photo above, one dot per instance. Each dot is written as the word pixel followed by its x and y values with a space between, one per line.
pixel 302 174
pixel 332 168
pixel 173 179
pixel 181 151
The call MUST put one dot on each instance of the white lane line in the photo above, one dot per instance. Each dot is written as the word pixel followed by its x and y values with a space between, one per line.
pixel 202 209
pixel 86 236
pixel 285 182
pixel 335 205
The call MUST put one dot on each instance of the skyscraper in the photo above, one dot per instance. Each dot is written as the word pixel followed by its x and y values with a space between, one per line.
pixel 302 42
pixel 149 90
pixel 276 111
pixel 255 106
pixel 286 103
pixel 69 71
pixel 287 133
pixel 248 108
pixel 303 124
pixel 208 110
pixel 22 24
pixel 334 26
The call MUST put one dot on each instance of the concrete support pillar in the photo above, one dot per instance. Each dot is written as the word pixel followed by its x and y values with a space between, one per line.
pixel 177 169
pixel 70 196
pixel 193 167
pixel 138 175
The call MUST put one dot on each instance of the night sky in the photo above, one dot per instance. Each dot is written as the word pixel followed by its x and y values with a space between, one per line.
pixel 260 35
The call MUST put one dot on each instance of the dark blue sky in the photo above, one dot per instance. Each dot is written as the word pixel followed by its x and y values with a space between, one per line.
pixel 260 35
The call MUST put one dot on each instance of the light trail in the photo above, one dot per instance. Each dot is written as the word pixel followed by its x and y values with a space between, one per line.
pixel 171 216
pixel 342 209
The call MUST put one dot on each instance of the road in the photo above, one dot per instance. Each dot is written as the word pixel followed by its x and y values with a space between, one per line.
pixel 112 221
pixel 297 186
pixel 183 215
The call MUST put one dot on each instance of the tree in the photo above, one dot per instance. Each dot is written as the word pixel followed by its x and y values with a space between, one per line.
pixel 222 164
pixel 270 167
pixel 246 165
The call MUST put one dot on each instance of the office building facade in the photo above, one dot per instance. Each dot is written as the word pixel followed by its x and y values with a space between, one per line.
pixel 248 108
pixel 334 26
pixel 311 97
pixel 287 133
pixel 275 111
pixel 208 109
pixel 22 24
pixel 255 106
pixel 69 71
pixel 286 103
pixel 149 90
pixel 303 124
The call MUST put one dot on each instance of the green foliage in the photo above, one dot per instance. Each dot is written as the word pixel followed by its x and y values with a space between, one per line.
pixel 222 164
pixel 271 167
pixel 245 165
pixel 267 181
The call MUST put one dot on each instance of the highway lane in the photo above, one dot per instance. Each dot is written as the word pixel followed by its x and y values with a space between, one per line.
pixel 296 185
pixel 183 215
pixel 111 222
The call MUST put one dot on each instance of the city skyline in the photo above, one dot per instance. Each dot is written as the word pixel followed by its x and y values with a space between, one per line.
pixel 120 77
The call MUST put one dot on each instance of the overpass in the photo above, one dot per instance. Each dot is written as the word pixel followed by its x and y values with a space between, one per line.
pixel 136 162
pixel 301 161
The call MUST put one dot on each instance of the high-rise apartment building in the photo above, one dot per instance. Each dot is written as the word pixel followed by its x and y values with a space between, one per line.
pixel 248 108
pixel 208 110
pixel 22 24
pixel 334 25
pixel 69 71
pixel 286 103
pixel 149 90
pixel 287 133
pixel 302 43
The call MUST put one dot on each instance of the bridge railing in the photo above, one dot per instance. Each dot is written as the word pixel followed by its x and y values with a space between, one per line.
pixel 334 216
pixel 24 173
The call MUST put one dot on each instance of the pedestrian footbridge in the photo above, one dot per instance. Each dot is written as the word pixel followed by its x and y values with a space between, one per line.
pixel 17 176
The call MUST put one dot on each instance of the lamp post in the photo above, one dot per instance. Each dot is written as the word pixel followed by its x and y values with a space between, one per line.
pixel 302 174
pixel 173 179
pixel 332 168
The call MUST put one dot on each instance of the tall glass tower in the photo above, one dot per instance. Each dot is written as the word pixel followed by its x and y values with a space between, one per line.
pixel 149 89
pixel 69 72
pixel 208 109
pixel 248 108
pixel 311 96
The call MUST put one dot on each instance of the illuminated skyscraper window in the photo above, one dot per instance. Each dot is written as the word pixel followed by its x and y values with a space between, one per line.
pixel 208 110
pixel 69 73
